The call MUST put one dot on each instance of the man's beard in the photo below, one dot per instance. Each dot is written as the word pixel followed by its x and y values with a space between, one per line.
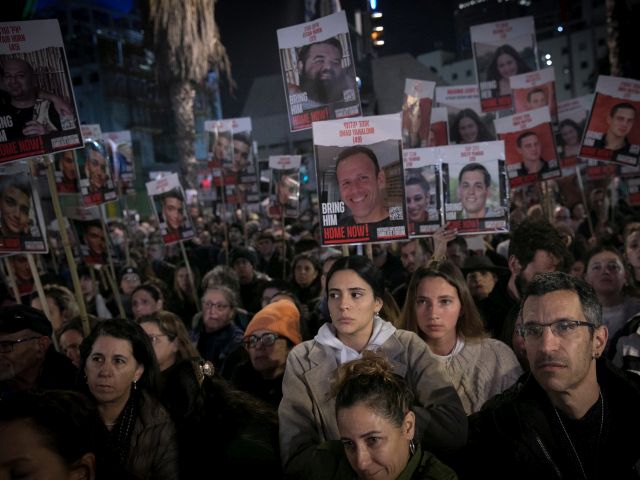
pixel 322 91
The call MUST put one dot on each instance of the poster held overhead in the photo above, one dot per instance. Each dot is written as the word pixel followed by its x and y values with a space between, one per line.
pixel 66 172
pixel 318 71
pixel 423 190
pixel 170 208
pixel 416 112
pixel 284 188
pixel 501 50
pixel 467 122
pixel 439 129
pixel 613 130
pixel 360 179
pixel 96 180
pixel 535 90
pixel 120 148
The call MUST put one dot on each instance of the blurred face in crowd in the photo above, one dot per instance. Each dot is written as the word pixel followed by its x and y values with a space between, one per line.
pixel 266 247
pixel 268 360
pixel 143 303
pixel 632 248
pixel 217 312
pixel 481 283
pixel 606 273
pixel 129 283
pixel 304 273
pixel 94 239
pixel 164 348
pixel 70 345
pixel 542 262
pixel 244 269
pixel 25 357
pixel 412 256
pixel 182 277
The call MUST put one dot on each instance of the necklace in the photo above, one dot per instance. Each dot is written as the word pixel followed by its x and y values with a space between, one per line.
pixel 575 452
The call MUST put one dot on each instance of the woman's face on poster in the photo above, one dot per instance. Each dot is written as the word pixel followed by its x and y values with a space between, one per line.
pixel 468 130
pixel 417 202
pixel 569 135
pixel 507 65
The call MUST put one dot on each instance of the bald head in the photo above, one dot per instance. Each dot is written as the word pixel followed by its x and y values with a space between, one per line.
pixel 17 80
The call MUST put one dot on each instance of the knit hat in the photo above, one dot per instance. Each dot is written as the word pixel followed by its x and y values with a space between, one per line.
pixel 246 253
pixel 14 318
pixel 281 317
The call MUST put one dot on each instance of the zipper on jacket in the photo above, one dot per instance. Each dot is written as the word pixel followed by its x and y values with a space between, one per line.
pixel 546 454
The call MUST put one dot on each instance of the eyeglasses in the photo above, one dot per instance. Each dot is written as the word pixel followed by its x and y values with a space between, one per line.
pixel 154 338
pixel 218 306
pixel 561 328
pixel 6 346
pixel 267 339
pixel 611 266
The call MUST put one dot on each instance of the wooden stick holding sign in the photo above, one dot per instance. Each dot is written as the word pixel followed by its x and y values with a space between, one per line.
pixel 192 281
pixel 41 295
pixel 12 280
pixel 110 270
pixel 584 201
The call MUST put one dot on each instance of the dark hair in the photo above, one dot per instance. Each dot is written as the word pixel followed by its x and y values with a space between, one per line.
pixel 484 134
pixel 371 381
pixel 472 167
pixel 140 345
pixel 419 180
pixel 364 268
pixel 63 419
pixel 173 193
pixel 533 235
pixel 628 288
pixel 549 282
pixel 524 135
pixel 619 106
pixel 87 224
pixel 173 327
pixel 469 323
pixel 536 90
pixel 567 122
pixel 308 257
pixel 76 324
pixel 17 181
pixel 303 53
pixel 421 242
pixel 151 289
pixel 494 74
pixel 350 151
pixel 242 137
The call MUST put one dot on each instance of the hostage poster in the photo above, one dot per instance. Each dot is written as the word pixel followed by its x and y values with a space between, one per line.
pixel 416 112
pixel 120 148
pixel 96 180
pixel 360 179
pixel 318 71
pixel 423 190
pixel 170 208
pixel 535 90
pixel 38 112
pixel 284 187
pixel 467 122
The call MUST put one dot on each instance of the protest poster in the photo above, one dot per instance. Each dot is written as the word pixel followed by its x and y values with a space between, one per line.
pixel 22 227
pixel 501 50
pixel 96 180
pixel 66 172
pixel 535 90
pixel 439 129
pixel 476 197
pixel 318 71
pixel 530 146
pixel 360 179
pixel 204 180
pixel 423 190
pixel 416 112
pixel 231 154
pixel 467 122
pixel 170 208
pixel 284 187
pixel 120 148
pixel 613 134
pixel 38 113
pixel 22 274
pixel 572 119
pixel 90 234
pixel 219 135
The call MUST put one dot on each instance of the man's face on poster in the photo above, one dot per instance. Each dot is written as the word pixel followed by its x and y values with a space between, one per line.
pixel 96 168
pixel 14 210
pixel 621 123
pixel 286 190
pixel 21 268
pixel 68 166
pixel 530 148
pixel 172 213
pixel 361 189
pixel 17 79
pixel 95 240
pixel 473 192
pixel 537 100
pixel 221 148
pixel 240 155
pixel 323 65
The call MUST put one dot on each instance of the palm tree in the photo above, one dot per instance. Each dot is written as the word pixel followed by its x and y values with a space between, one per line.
pixel 187 46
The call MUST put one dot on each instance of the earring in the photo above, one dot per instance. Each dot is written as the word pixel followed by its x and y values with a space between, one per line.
pixel 412 447
pixel 134 385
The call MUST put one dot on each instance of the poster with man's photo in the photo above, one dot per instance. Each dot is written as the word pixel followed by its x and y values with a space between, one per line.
pixel 231 151
pixel 284 186
pixel 613 129
pixel 439 129
pixel 218 136
pixel 423 190
pixel 22 227
pixel 66 172
pixel 120 148
pixel 530 146
pixel 19 265
pixel 96 180
pixel 360 179
pixel 170 208
pixel 535 90
pixel 90 234
pixel 38 112
pixel 467 122
pixel 501 50
pixel 318 71
pixel 477 196
pixel 55 240
pixel 416 112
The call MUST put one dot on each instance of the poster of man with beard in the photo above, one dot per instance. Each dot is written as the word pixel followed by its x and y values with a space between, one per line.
pixel 318 71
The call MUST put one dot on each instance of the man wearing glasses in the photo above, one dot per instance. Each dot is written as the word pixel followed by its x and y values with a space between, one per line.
pixel 571 417
pixel 27 357
pixel 268 338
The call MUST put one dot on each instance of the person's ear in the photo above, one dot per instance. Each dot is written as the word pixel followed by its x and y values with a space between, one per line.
pixel 382 179
pixel 139 371
pixel 409 425
pixel 600 337
pixel 83 468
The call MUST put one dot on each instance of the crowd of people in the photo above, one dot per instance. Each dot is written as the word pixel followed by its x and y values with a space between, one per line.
pixel 270 355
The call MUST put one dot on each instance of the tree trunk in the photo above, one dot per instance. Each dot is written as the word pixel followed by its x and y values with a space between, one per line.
pixel 613 35
pixel 182 96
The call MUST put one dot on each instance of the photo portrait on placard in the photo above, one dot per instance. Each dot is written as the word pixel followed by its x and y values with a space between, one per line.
pixel 572 119
pixel 284 186
pixel 535 90
pixel 66 172
pixel 478 197
pixel 37 108
pixel 93 243
pixel 318 71
pixel 530 146
pixel 501 50
pixel 416 112
pixel 613 130
pixel 423 190
pixel 360 179
pixel 170 207
pixel 21 272
pixel 467 122
pixel 120 149
pixel 22 226
pixel 219 136
pixel 94 165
